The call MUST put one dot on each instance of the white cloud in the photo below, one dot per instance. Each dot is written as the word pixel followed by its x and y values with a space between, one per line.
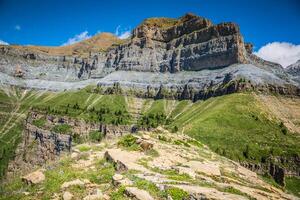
pixel 18 27
pixel 77 38
pixel 283 53
pixel 3 43
pixel 125 35
pixel 122 34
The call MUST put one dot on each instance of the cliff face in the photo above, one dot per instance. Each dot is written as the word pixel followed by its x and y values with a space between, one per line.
pixel 189 52
pixel 157 45
pixel 192 43
pixel 294 71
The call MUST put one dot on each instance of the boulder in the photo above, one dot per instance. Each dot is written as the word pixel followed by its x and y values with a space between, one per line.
pixel 76 182
pixel 146 145
pixel 138 194
pixel 34 178
pixel 118 179
pixel 67 196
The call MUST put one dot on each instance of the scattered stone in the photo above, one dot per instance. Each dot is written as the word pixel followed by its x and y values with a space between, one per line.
pixel 146 145
pixel 26 193
pixel 86 181
pixel 55 196
pixel 118 179
pixel 146 137
pixel 95 196
pixel 138 194
pixel 34 178
pixel 72 183
pixel 67 196
pixel 74 155
pixel 105 197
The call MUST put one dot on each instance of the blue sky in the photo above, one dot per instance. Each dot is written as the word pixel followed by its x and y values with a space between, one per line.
pixel 54 22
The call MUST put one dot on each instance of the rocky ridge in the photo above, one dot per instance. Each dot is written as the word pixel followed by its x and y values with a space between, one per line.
pixel 294 71
pixel 164 49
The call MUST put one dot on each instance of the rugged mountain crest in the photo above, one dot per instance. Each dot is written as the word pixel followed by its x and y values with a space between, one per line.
pixel 188 52
pixel 189 43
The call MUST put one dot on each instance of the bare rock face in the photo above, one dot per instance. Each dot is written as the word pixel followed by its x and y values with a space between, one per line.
pixel 157 45
pixel 294 71
pixel 189 43
pixel 191 53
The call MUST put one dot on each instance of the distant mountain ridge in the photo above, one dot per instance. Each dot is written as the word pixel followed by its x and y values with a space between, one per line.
pixel 174 51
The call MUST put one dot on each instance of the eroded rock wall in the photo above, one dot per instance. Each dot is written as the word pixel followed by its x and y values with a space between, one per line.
pixel 194 44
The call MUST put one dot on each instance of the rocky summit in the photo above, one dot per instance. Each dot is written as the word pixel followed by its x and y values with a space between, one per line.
pixel 180 110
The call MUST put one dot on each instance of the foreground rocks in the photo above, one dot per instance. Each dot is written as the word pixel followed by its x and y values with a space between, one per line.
pixel 67 196
pixel 34 178
pixel 119 180
pixel 191 171
pixel 138 194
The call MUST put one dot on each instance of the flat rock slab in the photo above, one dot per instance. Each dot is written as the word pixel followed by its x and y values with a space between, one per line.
pixel 198 192
pixel 209 168
pixel 124 160
pixel 138 194
pixel 34 178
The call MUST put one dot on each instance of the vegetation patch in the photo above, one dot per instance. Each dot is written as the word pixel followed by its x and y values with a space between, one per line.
pixel 293 185
pixel 177 193
pixel 96 136
pixel 152 153
pixel 84 148
pixel 62 128
pixel 129 143
pixel 39 122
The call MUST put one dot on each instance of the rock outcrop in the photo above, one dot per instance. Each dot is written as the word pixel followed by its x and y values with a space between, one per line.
pixel 138 194
pixel 34 178
pixel 189 43
pixel 294 71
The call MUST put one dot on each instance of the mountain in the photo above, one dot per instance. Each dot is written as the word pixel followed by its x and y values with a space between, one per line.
pixel 180 110
pixel 294 71
pixel 99 42
pixel 183 49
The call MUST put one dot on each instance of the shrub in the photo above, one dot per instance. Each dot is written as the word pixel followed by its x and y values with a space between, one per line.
pixel 39 122
pixel 95 136
pixel 129 142
pixel 62 128
pixel 177 193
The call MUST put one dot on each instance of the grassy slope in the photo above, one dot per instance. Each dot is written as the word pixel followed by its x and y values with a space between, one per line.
pixel 234 125
pixel 87 106
pixel 15 106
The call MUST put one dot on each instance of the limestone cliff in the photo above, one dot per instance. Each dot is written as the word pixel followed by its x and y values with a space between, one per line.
pixel 190 43
pixel 160 51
